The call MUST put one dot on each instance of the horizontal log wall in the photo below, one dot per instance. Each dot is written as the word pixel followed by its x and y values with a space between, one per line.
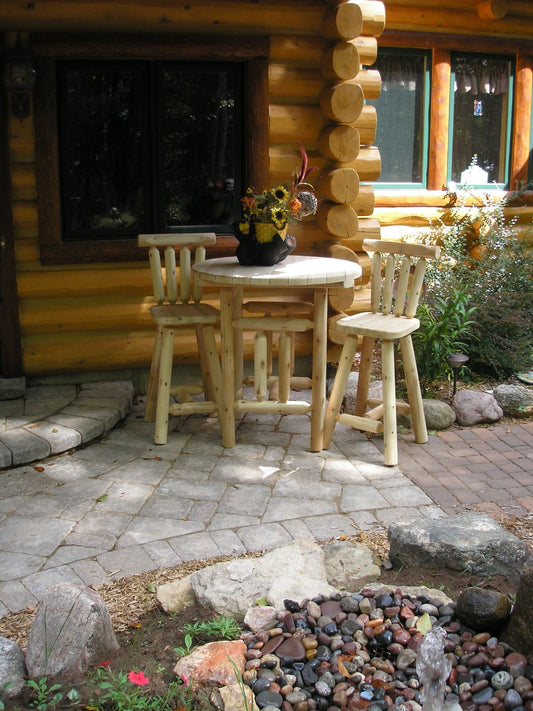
pixel 96 317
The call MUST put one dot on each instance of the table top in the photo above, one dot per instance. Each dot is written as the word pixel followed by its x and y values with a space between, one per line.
pixel 295 270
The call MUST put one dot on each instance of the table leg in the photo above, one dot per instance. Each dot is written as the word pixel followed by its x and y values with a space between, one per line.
pixel 227 413
pixel 238 358
pixel 318 392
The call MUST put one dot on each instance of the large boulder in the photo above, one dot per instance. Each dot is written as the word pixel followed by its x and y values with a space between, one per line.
pixel 349 565
pixel 295 571
pixel 515 400
pixel 438 414
pixel 482 609
pixel 473 542
pixel 12 669
pixel 350 391
pixel 71 632
pixel 519 630
pixel 473 408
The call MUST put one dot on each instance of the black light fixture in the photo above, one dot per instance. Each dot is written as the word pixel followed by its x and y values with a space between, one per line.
pixel 456 362
pixel 19 78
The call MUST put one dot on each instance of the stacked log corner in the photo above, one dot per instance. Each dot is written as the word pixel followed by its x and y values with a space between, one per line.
pixel 351 162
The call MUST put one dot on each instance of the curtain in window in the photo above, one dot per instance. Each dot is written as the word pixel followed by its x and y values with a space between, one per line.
pixel 481 76
pixel 400 72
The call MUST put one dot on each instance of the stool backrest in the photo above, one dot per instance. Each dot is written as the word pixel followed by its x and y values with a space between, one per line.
pixel 397 291
pixel 169 285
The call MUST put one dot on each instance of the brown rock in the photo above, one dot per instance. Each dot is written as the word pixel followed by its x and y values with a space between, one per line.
pixel 212 663
pixel 482 609
pixel 291 648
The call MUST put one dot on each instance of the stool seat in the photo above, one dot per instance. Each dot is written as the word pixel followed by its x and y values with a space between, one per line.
pixel 378 325
pixel 184 314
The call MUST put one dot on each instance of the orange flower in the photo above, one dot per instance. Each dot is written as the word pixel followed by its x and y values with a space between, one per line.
pixel 295 205
pixel 248 203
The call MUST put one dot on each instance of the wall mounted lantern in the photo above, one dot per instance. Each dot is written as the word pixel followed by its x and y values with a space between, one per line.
pixel 19 78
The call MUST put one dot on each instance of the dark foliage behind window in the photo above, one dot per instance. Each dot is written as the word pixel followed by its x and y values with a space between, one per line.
pixel 148 146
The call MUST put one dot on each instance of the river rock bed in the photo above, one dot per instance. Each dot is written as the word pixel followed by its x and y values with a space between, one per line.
pixel 359 652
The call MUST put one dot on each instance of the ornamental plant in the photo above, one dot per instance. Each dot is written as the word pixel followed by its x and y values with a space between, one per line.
pixel 119 691
pixel 485 276
pixel 270 212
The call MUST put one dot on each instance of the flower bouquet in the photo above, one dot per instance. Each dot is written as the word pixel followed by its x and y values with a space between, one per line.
pixel 263 229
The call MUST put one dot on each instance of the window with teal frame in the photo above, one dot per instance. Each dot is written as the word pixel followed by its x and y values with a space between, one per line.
pixel 403 117
pixel 481 112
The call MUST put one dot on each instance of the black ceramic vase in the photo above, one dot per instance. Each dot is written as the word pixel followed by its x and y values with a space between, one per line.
pixel 250 252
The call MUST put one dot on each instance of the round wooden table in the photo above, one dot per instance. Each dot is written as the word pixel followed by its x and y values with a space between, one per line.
pixel 314 274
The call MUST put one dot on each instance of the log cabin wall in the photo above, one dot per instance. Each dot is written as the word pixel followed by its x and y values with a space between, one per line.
pixel 86 317
pixel 94 316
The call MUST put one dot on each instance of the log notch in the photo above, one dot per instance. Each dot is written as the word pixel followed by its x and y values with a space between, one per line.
pixel 492 9
pixel 345 207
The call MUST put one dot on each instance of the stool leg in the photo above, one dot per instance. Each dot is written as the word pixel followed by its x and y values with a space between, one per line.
pixel 365 368
pixel 414 395
pixel 213 371
pixel 284 365
pixel 270 349
pixel 260 365
pixel 207 380
pixel 163 389
pixel 153 379
pixel 339 388
pixel 232 372
pixel 389 403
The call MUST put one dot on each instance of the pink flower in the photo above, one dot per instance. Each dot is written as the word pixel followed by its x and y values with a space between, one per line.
pixel 138 678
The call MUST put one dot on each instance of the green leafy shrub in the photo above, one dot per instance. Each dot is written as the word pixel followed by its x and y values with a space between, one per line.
pixel 445 324
pixel 485 275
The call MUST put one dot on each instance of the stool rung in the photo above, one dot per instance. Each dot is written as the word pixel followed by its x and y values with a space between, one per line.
pixel 191 408
pixel 273 407
pixel 298 325
pixel 361 423
pixel 402 407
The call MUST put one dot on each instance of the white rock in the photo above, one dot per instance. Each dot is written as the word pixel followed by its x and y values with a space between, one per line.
pixel 295 571
pixel 176 595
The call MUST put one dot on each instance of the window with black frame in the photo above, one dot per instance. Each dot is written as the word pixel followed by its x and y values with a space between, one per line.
pixel 149 146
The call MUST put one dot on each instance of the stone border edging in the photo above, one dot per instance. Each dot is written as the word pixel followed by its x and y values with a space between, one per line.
pixel 94 410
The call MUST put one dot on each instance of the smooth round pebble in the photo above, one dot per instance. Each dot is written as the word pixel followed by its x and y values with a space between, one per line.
pixel 501 680
pixel 269 698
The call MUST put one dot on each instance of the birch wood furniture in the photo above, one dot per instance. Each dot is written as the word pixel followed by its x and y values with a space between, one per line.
pixel 271 311
pixel 178 295
pixel 392 318
pixel 315 275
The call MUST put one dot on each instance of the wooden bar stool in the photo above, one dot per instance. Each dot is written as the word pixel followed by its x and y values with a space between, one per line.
pixel 179 306
pixel 271 311
pixel 394 300
pixel 268 387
